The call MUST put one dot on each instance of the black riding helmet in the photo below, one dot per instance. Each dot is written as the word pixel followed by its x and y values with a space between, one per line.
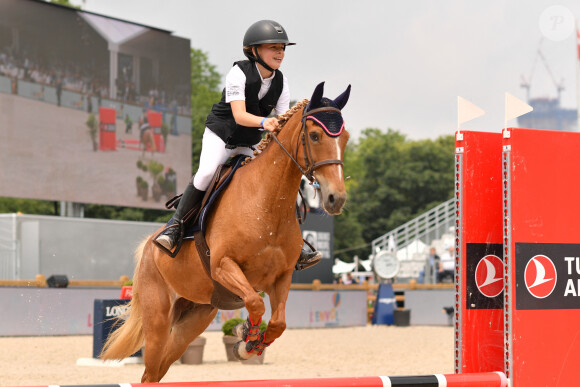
pixel 262 32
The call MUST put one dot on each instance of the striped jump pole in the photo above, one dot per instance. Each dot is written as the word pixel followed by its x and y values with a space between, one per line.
pixel 487 379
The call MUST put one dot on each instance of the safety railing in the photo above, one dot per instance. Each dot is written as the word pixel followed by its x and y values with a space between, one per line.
pixel 41 282
pixel 425 228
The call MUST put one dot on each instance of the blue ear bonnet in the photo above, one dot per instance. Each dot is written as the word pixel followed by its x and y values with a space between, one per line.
pixel 331 121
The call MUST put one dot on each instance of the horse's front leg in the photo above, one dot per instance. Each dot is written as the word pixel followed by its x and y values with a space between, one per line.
pixel 228 273
pixel 276 326
pixel 278 297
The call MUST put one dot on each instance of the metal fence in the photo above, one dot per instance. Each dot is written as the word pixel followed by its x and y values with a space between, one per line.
pixel 410 239
pixel 8 248
pixel 82 249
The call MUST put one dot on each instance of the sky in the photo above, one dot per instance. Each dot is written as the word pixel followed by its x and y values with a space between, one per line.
pixel 407 61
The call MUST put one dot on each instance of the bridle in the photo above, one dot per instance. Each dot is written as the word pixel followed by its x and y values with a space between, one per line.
pixel 309 164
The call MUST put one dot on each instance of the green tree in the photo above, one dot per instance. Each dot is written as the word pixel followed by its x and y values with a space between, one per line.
pixel 28 206
pixel 393 180
pixel 66 3
pixel 99 211
pixel 205 91
pixel 348 240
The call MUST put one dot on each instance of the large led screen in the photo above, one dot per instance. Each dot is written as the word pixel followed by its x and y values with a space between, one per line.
pixel 92 109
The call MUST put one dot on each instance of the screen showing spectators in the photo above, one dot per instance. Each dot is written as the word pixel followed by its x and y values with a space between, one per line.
pixel 92 109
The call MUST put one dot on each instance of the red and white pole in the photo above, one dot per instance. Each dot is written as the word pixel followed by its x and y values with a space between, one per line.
pixel 486 379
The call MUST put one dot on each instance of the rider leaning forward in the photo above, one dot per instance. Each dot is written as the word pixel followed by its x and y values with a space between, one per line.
pixel 254 88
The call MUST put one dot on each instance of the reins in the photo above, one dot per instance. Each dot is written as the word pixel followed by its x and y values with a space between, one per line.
pixel 310 165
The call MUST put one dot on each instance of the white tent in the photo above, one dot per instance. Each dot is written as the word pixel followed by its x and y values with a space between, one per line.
pixel 366 264
pixel 410 250
pixel 340 267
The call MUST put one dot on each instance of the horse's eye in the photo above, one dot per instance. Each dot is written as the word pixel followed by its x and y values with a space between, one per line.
pixel 314 137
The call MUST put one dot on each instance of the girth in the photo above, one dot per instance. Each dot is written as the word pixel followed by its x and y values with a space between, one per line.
pixel 194 224
pixel 221 297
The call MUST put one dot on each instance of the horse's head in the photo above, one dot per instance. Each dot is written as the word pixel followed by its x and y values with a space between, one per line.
pixel 324 141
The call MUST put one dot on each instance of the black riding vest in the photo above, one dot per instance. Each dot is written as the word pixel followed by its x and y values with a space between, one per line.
pixel 221 119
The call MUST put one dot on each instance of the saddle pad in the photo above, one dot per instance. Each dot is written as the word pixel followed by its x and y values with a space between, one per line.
pixel 191 228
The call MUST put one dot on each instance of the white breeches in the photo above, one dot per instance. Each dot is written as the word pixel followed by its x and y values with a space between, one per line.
pixel 213 153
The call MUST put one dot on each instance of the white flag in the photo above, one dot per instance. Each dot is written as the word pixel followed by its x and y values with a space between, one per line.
pixel 466 111
pixel 515 107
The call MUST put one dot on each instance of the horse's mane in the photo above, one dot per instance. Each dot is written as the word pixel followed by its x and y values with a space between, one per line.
pixel 282 120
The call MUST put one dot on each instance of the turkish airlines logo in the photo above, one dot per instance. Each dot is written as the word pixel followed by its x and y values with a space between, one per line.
pixel 540 276
pixel 489 276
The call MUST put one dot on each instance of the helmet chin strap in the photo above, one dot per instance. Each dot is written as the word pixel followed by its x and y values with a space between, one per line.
pixel 261 61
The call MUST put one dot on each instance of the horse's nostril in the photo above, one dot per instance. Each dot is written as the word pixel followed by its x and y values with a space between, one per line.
pixel 331 199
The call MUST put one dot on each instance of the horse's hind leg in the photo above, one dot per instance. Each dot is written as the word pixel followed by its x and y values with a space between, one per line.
pixel 189 321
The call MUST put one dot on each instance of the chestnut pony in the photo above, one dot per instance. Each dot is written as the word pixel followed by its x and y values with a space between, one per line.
pixel 147 141
pixel 255 241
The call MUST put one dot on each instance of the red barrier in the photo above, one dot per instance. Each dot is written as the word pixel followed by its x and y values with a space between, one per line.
pixel 490 379
pixel 541 177
pixel 107 129
pixel 479 254
pixel 156 122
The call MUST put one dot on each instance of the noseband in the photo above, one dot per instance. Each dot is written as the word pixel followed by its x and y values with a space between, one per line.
pixel 309 164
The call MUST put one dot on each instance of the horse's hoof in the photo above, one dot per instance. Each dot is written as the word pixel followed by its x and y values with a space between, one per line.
pixel 240 330
pixel 240 351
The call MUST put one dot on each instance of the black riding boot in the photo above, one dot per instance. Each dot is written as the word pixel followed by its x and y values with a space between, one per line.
pixel 191 197
pixel 307 259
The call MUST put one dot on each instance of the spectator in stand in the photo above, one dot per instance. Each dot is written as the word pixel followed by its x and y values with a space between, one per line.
pixel 432 264
pixel 58 90
pixel 128 124
pixel 347 280
pixel 89 103
pixel 447 270
pixel 81 77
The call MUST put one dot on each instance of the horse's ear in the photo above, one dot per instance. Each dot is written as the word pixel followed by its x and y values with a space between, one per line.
pixel 342 99
pixel 316 99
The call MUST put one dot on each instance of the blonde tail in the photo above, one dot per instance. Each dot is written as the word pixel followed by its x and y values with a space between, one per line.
pixel 128 338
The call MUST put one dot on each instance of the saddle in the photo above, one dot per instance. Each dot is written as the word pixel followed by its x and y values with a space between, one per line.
pixel 195 226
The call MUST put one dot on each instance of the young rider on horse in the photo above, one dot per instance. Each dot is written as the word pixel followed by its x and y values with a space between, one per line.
pixel 254 88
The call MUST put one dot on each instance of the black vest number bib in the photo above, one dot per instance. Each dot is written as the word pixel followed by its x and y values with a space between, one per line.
pixel 221 119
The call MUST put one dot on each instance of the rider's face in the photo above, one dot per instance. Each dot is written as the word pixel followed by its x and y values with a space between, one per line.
pixel 272 54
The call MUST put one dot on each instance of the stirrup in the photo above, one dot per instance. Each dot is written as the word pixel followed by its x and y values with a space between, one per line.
pixel 178 242
pixel 307 260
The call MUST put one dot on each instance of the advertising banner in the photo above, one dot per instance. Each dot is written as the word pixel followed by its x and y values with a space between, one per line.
pixel 71 311
pixel 319 231
pixel 106 313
